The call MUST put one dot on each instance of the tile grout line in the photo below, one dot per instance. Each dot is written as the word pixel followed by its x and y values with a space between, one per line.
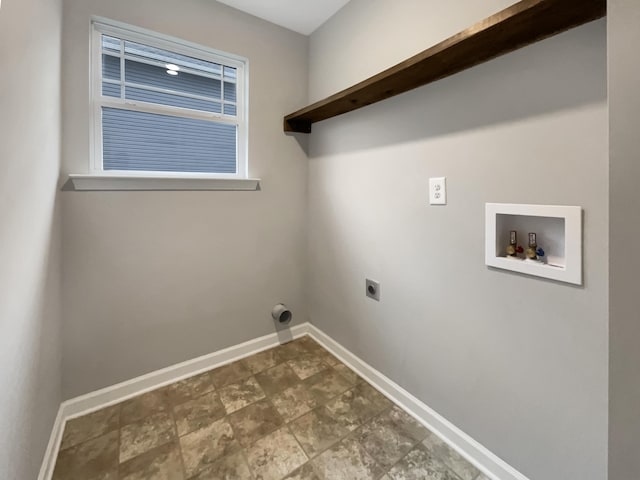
pixel 489 465
pixel 171 406
pixel 351 387
pixel 414 445
pixel 266 398
pixel 177 439
pixel 243 452
pixel 288 427
pixel 171 411
pixel 288 423
pixel 285 424
pixel 88 439
pixel 421 442
pixel 225 418
pixel 119 441
pixel 344 437
pixel 167 408
pixel 350 433
pixel 327 358
pixel 384 469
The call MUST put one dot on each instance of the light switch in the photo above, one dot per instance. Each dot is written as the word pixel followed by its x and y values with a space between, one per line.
pixel 438 191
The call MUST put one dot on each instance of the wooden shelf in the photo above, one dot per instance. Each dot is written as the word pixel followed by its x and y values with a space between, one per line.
pixel 521 24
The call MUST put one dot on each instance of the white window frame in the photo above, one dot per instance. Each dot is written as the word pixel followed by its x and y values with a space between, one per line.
pixel 101 27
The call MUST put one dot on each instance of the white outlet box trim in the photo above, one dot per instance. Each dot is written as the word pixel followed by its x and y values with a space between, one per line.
pixel 489 464
pixel 570 272
pixel 438 191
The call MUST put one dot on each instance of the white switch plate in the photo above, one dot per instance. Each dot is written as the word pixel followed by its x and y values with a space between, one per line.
pixel 438 191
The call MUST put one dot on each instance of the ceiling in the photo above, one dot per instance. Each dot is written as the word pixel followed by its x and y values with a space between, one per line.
pixel 302 16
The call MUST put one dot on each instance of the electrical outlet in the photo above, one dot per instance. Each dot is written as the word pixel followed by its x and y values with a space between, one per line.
pixel 372 289
pixel 438 191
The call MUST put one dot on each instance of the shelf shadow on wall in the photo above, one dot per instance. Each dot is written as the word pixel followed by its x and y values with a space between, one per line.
pixel 564 72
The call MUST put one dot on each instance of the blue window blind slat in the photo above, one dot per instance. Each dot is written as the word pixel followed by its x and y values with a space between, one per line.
pixel 110 67
pixel 111 44
pixel 151 142
pixel 110 90
pixel 229 73
pixel 230 92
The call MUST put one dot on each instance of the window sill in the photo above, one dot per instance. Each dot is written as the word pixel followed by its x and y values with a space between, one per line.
pixel 97 183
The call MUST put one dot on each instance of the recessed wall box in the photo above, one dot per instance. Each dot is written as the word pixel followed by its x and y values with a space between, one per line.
pixel 558 231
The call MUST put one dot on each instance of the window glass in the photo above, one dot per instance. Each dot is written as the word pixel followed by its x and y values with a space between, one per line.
pixel 161 110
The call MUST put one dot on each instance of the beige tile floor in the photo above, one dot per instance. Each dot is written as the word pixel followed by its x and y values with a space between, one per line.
pixel 292 412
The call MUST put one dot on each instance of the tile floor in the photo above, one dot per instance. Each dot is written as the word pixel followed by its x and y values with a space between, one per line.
pixel 293 412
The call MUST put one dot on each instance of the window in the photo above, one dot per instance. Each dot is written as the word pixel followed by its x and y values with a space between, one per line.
pixel 165 107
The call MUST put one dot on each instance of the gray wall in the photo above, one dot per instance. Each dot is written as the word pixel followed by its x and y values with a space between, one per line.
pixel 156 278
pixel 517 362
pixel 30 350
pixel 624 319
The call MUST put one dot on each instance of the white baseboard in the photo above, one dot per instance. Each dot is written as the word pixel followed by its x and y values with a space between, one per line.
pixel 84 404
pixel 122 391
pixel 487 462
pixel 491 465
pixel 50 455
